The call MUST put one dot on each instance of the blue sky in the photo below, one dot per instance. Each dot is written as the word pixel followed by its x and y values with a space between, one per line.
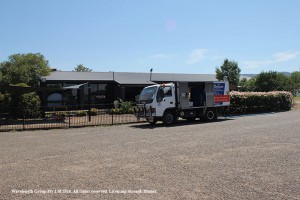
pixel 193 36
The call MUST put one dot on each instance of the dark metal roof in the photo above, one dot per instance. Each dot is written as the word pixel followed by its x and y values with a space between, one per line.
pixel 127 78
pixel 133 78
pixel 169 77
pixel 78 76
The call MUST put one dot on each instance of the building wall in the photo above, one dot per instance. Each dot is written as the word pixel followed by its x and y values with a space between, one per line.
pixel 100 93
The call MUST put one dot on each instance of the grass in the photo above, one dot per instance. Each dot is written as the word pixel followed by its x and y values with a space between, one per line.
pixel 296 104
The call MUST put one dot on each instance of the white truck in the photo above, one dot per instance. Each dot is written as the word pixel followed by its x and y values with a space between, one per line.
pixel 188 100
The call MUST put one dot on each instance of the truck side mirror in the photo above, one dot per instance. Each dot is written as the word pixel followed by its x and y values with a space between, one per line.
pixel 160 95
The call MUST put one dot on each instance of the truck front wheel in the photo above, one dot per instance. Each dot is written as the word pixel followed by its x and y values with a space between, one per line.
pixel 169 118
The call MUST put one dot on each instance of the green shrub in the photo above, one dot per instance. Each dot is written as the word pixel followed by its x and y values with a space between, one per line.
pixel 125 107
pixel 94 111
pixel 60 114
pixel 30 104
pixel 116 111
pixel 253 102
pixel 81 113
pixel 5 100
pixel 24 104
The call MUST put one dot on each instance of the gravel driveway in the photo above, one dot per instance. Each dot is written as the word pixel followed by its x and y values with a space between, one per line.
pixel 245 157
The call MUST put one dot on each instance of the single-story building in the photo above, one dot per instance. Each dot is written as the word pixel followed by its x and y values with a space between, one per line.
pixel 80 88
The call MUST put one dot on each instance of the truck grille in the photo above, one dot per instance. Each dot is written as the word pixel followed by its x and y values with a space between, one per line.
pixel 141 111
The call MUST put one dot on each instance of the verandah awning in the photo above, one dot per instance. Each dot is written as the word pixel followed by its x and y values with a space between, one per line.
pixel 74 86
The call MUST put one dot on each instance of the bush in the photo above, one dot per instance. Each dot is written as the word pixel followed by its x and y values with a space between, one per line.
pixel 81 113
pixel 5 100
pixel 116 111
pixel 60 115
pixel 253 102
pixel 94 111
pixel 24 104
pixel 30 104
pixel 125 107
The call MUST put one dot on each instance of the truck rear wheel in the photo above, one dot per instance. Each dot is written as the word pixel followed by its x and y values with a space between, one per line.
pixel 169 118
pixel 210 115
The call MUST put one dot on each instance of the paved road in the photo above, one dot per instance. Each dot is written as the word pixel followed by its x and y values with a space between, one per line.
pixel 246 157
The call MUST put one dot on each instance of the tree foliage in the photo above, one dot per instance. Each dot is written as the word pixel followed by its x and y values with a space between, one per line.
pixel 295 77
pixel 21 104
pixel 5 100
pixel 229 71
pixel 273 81
pixel 266 81
pixel 24 68
pixel 30 104
pixel 82 68
pixel 247 85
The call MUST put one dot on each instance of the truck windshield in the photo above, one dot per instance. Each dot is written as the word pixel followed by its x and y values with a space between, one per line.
pixel 147 95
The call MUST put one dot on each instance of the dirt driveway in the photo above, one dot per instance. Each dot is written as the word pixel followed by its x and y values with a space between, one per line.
pixel 245 157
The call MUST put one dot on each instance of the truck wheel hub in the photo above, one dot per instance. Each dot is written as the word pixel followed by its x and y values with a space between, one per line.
pixel 169 118
pixel 210 115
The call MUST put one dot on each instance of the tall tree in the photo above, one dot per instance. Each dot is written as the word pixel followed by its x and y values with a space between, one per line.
pixel 24 68
pixel 247 84
pixel 266 81
pixel 82 68
pixel 229 71
pixel 295 76
pixel 272 81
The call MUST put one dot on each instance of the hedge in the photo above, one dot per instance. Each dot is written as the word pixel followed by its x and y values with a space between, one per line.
pixel 254 102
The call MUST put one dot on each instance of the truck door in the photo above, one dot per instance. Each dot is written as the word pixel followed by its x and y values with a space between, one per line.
pixel 165 99
pixel 209 90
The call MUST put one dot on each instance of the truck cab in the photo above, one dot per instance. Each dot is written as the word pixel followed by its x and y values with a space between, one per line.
pixel 187 100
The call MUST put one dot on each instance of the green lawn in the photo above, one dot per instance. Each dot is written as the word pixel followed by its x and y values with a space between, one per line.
pixel 297 98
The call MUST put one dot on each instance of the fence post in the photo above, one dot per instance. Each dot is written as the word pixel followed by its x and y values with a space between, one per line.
pixel 23 126
pixel 69 118
pixel 112 118
pixel 89 100
pixel 89 113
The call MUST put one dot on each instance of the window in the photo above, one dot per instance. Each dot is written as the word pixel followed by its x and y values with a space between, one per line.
pixel 167 91
pixel 99 93
pixel 54 99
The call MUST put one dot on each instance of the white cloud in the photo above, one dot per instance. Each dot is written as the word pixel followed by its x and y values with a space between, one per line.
pixel 285 56
pixel 277 58
pixel 196 56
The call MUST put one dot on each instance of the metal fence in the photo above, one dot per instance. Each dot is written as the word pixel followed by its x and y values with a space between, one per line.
pixel 62 117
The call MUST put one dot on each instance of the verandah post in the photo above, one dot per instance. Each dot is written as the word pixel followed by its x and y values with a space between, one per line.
pixel 90 101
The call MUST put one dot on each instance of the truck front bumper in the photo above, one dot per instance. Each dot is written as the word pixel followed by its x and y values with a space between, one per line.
pixel 143 111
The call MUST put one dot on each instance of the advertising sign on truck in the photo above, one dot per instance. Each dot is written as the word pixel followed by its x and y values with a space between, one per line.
pixel 221 94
